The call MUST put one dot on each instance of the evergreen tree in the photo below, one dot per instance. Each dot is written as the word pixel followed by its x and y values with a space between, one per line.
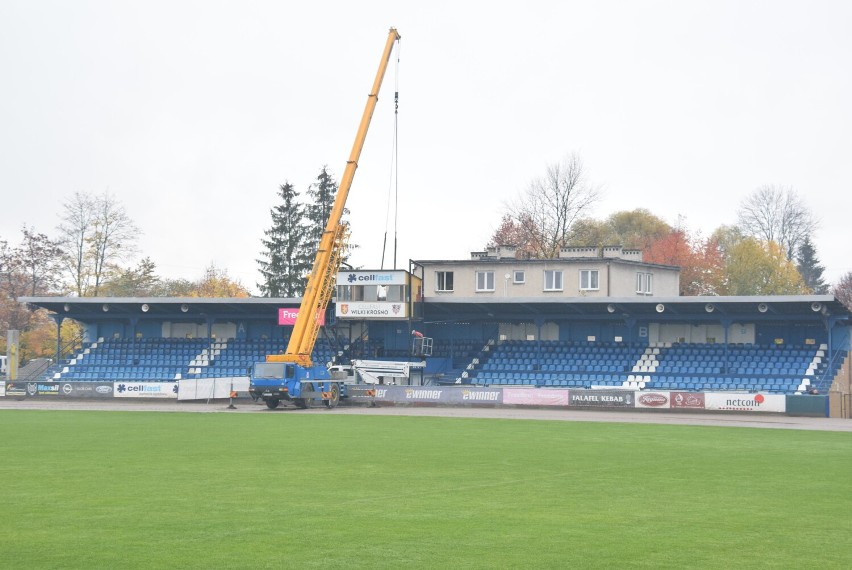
pixel 810 269
pixel 287 257
pixel 322 194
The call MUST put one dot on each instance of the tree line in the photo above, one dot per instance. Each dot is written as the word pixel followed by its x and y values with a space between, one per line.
pixel 768 251
pixel 91 254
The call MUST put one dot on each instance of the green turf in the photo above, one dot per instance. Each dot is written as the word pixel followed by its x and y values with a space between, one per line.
pixel 318 489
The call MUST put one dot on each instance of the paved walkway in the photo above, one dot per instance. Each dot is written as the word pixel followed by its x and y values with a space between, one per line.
pixel 772 421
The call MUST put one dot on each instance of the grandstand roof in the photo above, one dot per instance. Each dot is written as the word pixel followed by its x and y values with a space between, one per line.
pixel 766 308
pixel 88 308
pixel 797 308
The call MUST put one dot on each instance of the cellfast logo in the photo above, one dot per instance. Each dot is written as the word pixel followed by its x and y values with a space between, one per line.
pixel 372 278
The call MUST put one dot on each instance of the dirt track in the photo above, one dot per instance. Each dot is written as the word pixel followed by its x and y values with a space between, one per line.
pixel 244 406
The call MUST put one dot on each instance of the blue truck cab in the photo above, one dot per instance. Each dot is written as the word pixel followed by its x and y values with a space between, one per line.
pixel 273 382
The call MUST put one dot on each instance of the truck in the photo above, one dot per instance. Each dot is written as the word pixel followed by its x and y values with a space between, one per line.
pixel 293 376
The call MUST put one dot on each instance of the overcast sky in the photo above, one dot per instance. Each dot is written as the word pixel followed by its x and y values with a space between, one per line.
pixel 193 113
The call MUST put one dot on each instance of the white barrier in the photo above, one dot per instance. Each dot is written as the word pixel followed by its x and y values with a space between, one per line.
pixel 211 388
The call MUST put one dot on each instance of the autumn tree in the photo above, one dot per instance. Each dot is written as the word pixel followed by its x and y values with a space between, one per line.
pixel 515 234
pixel 808 265
pixel 217 283
pixel 30 269
pixel 139 281
pixel 777 214
pixel 701 262
pixel 842 290
pixel 758 268
pixel 546 212
pixel 633 229
pixel 285 260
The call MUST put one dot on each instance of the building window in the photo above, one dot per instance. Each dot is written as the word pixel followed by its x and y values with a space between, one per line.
pixel 589 280
pixel 520 276
pixel 644 283
pixel 443 281
pixel 484 280
pixel 552 280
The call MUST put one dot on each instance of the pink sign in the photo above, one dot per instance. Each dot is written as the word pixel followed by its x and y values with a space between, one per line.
pixel 288 317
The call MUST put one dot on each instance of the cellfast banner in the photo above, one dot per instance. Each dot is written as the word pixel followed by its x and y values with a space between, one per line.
pixel 371 278
pixel 145 389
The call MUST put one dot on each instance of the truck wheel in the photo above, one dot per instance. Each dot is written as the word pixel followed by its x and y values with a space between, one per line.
pixel 304 403
pixel 334 399
pixel 272 403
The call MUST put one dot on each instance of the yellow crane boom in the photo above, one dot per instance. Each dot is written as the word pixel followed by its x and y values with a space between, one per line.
pixel 327 261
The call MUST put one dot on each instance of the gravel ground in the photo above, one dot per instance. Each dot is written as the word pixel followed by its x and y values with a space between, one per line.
pixel 246 406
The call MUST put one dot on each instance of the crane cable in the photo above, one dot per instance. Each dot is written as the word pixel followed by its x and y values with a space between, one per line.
pixel 393 183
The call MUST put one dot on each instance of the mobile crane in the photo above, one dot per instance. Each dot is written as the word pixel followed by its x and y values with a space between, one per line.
pixel 293 375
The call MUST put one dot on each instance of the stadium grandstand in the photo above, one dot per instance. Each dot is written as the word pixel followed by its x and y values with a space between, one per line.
pixel 593 319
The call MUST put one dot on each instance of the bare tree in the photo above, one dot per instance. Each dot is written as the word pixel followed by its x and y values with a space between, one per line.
pixel 113 236
pixel 75 230
pixel 96 232
pixel 775 213
pixel 546 213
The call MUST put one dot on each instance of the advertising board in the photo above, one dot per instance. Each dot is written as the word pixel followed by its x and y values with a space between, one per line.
pixel 145 389
pixel 687 400
pixel 601 399
pixel 86 389
pixel 535 397
pixel 658 400
pixel 745 402
pixel 2 388
pixel 372 278
pixel 32 389
pixel 373 310
pixel 287 316
pixel 452 395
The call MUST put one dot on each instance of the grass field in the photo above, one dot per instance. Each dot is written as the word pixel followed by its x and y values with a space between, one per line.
pixel 316 489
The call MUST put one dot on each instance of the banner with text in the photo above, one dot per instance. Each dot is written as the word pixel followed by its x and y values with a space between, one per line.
pixel 601 399
pixel 659 400
pixel 397 277
pixel 746 402
pixel 372 310
pixel 32 389
pixel 287 316
pixel 86 389
pixel 145 389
